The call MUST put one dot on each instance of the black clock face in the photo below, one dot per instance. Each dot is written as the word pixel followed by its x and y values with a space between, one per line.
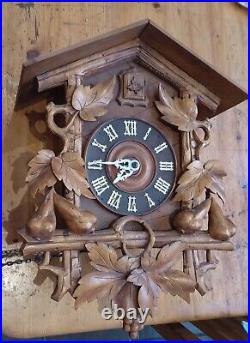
pixel 130 166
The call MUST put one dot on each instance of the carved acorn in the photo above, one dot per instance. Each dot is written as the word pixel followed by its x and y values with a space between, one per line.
pixel 43 223
pixel 219 226
pixel 189 221
pixel 77 221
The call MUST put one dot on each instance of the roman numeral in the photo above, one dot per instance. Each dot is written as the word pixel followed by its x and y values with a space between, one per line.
pixel 99 145
pixel 147 134
pixel 161 147
pixel 110 131
pixel 97 164
pixel 100 185
pixel 162 185
pixel 114 199
pixel 132 204
pixel 166 166
pixel 151 203
pixel 130 128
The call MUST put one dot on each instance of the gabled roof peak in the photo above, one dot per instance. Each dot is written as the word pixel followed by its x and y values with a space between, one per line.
pixel 149 43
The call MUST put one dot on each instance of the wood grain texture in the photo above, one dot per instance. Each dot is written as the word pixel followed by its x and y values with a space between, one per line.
pixel 215 31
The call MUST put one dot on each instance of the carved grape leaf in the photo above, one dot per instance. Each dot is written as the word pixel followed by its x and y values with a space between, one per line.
pixel 40 174
pixel 97 285
pixel 104 258
pixel 127 297
pixel 198 177
pixel 149 291
pixel 176 282
pixel 163 259
pixel 69 169
pixel 156 274
pixel 91 102
pixel 180 112
pixel 109 278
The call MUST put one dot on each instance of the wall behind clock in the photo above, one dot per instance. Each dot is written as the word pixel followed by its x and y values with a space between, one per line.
pixel 215 31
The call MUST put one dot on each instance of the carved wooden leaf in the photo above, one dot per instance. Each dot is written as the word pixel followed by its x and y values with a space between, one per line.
pixel 90 114
pixel 149 291
pixel 97 285
pixel 176 282
pixel 69 169
pixel 180 112
pixel 91 102
pixel 198 177
pixel 80 97
pixel 109 278
pixel 156 275
pixel 40 174
pixel 102 93
pixel 164 259
pixel 104 258
pixel 127 297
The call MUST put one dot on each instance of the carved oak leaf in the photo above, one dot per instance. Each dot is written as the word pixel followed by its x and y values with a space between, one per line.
pixel 198 177
pixel 40 174
pixel 69 169
pixel 91 102
pixel 110 277
pixel 180 112
pixel 156 275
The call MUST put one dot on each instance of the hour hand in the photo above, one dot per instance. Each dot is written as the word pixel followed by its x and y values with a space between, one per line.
pixel 122 175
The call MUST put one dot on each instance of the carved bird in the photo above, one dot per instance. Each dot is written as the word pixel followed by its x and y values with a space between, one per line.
pixel 43 223
pixel 77 221
pixel 219 226
pixel 189 221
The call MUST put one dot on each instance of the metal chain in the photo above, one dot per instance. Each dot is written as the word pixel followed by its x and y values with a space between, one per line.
pixel 16 252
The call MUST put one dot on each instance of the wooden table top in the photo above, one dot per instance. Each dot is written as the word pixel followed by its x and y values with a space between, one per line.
pixel 215 31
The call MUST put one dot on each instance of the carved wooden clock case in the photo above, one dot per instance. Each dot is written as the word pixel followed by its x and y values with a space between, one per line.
pixel 135 193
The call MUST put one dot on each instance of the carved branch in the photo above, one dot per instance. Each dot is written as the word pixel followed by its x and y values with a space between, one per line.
pixel 134 239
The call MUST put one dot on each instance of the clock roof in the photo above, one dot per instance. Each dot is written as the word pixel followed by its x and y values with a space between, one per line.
pixel 151 47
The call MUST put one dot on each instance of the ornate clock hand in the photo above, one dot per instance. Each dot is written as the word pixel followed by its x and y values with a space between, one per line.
pixel 124 164
pixel 122 175
pixel 127 169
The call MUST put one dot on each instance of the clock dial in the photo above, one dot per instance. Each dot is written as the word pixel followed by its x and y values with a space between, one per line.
pixel 130 166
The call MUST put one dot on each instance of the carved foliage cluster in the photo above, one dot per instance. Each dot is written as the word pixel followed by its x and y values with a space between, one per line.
pixel 118 278
pixel 200 179
pixel 46 168
pixel 148 275
pixel 92 102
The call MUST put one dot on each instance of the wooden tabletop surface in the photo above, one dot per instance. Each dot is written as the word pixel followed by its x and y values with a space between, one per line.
pixel 217 32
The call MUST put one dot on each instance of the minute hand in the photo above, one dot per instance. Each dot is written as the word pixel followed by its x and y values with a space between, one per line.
pixel 125 164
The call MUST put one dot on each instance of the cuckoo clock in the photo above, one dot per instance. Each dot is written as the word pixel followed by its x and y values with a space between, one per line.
pixel 135 196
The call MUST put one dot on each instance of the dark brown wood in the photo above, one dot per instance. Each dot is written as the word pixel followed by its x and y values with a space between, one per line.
pixel 47 62
pixel 175 332
pixel 227 329
pixel 229 93
pixel 148 32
